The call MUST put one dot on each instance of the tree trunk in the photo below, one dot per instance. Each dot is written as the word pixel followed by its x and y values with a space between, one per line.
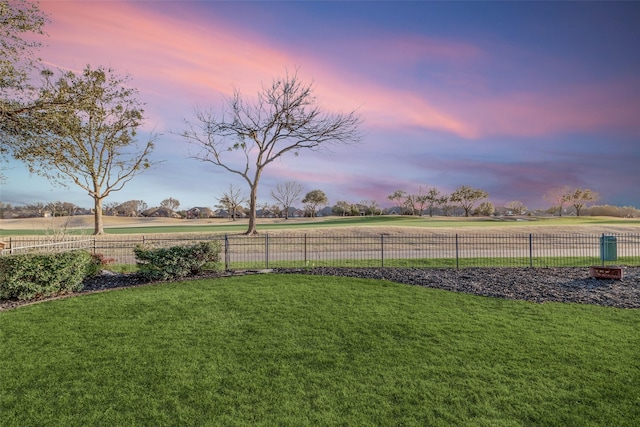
pixel 97 216
pixel 252 209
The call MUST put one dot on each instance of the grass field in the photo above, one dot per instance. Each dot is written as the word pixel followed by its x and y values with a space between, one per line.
pixel 120 225
pixel 301 350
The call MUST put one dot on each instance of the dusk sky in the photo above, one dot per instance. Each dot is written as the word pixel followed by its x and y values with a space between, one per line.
pixel 514 98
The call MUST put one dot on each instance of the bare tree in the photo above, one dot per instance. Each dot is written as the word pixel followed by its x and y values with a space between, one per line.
pixel 421 199
pixel 232 200
pixel 558 196
pixel 111 208
pixel 285 118
pixel 61 208
pixel 467 197
pixel 132 208
pixel 276 210
pixel 399 197
pixel 434 199
pixel 91 136
pixel 579 197
pixel 371 206
pixel 342 208
pixel 516 207
pixel 286 193
pixel 170 203
pixel 313 199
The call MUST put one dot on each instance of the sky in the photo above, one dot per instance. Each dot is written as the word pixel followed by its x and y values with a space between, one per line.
pixel 514 98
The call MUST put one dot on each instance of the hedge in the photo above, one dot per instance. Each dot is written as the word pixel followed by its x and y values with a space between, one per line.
pixel 28 276
pixel 176 261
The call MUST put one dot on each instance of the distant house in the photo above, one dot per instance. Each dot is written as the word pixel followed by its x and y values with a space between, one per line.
pixel 265 213
pixel 396 210
pixel 296 213
pixel 223 213
pixel 160 213
pixel 200 212
pixel 326 211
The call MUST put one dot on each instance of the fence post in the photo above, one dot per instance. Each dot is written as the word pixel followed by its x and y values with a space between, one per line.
pixel 266 251
pixel 227 256
pixel 305 249
pixel 530 250
pixel 457 256
pixel 382 250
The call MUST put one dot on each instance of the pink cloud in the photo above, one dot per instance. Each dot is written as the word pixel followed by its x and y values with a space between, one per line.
pixel 573 109
pixel 191 63
pixel 178 62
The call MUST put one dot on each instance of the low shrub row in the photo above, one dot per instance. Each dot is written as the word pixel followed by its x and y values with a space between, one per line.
pixel 177 261
pixel 29 276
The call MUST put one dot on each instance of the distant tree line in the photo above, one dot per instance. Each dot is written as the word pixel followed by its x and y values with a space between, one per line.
pixel 232 204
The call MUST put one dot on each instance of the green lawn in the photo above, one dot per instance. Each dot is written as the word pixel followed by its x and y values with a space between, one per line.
pixel 296 350
pixel 338 222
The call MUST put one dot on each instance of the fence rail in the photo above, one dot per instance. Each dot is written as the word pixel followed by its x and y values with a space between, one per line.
pixel 39 247
pixel 382 250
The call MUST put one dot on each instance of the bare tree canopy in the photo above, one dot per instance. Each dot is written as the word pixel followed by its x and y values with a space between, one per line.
pixel 558 196
pixel 399 196
pixel 286 193
pixel 516 207
pixel 232 200
pixel 90 137
pixel 285 117
pixel 467 197
pixel 579 197
pixel 170 203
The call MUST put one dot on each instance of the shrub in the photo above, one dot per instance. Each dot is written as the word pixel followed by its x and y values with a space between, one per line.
pixel 98 262
pixel 176 261
pixel 27 276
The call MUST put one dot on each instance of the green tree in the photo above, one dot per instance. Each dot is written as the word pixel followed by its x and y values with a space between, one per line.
pixel 89 138
pixel 313 199
pixel 485 209
pixel 467 197
pixel 284 118
pixel 19 22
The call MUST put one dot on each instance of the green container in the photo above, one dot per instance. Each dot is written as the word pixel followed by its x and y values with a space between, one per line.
pixel 608 248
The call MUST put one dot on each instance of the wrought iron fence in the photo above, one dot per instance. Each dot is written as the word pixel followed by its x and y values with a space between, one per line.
pixel 381 250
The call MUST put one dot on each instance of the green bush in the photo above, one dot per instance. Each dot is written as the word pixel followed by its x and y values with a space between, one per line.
pixel 27 276
pixel 176 261
pixel 98 263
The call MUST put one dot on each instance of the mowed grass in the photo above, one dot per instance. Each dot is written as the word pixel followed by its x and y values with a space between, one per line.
pixel 266 225
pixel 296 350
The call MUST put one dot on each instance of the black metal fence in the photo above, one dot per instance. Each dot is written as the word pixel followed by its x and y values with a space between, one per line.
pixel 381 250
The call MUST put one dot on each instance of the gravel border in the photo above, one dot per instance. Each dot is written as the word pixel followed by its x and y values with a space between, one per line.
pixel 560 284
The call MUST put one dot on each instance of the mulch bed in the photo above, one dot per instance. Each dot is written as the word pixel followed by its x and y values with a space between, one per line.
pixel 562 284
